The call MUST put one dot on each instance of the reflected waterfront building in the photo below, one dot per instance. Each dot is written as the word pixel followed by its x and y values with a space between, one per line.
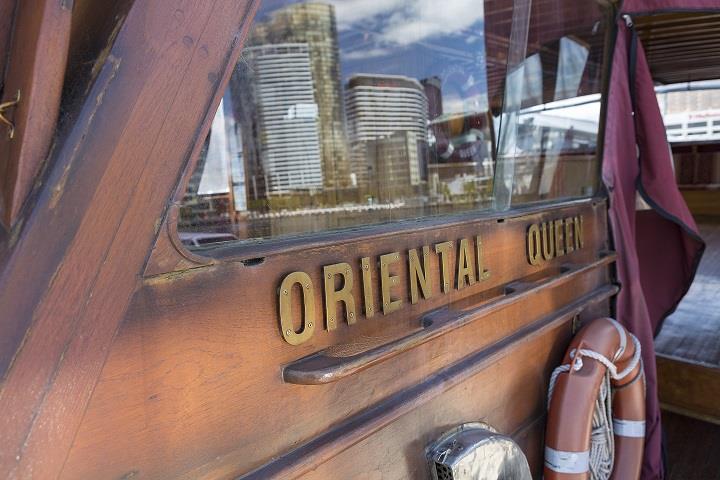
pixel 387 124
pixel 313 26
pixel 279 118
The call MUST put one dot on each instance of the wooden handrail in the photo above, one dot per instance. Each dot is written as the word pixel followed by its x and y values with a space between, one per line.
pixel 324 367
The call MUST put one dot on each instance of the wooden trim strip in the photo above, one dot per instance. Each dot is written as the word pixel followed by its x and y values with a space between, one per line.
pixel 238 251
pixel 361 426
pixel 689 388
pixel 321 367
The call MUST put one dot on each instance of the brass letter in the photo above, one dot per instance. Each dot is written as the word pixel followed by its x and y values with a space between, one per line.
pixel 418 274
pixel 579 240
pixel 568 232
pixel 533 244
pixel 465 268
pixel 548 241
pixel 367 288
pixel 308 299
pixel 444 250
pixel 333 296
pixel 559 249
pixel 388 281
pixel 482 273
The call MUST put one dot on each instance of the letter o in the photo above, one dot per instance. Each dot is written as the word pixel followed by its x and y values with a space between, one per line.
pixel 308 299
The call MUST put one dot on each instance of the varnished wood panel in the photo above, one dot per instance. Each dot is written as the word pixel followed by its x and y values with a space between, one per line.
pixel 509 395
pixel 702 201
pixel 7 14
pixel 689 388
pixel 35 68
pixel 70 268
pixel 193 389
pixel 189 384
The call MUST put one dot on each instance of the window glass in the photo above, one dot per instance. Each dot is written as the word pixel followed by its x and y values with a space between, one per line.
pixel 358 112
pixel 548 130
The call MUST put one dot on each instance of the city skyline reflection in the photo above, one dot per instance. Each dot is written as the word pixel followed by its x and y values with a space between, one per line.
pixel 348 113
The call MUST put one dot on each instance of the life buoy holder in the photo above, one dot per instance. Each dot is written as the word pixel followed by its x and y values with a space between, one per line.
pixel 603 346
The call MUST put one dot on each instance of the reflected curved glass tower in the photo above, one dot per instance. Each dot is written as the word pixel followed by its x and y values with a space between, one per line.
pixel 314 25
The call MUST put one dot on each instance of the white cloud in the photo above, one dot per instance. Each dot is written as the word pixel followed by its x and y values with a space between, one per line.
pixel 353 11
pixel 402 22
pixel 364 54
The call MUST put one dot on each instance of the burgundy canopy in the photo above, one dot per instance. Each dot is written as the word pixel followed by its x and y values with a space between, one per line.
pixel 658 249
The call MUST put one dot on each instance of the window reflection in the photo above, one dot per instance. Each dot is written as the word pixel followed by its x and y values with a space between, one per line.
pixel 548 134
pixel 358 112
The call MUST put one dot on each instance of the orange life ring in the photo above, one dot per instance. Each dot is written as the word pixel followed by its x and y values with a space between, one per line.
pixel 601 344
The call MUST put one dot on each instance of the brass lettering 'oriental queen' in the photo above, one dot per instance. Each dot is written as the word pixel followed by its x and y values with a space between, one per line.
pixel 339 284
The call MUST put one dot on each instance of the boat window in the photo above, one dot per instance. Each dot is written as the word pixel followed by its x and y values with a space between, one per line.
pixel 355 113
pixel 548 130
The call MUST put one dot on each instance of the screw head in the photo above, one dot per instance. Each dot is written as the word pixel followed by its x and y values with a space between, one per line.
pixel 285 292
pixel 352 314
pixel 310 324
pixel 288 332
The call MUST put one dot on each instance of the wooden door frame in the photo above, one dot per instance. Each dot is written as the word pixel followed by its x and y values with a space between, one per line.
pixel 70 266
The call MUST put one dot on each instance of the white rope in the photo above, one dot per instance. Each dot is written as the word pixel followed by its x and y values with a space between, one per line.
pixel 602 442
pixel 602 448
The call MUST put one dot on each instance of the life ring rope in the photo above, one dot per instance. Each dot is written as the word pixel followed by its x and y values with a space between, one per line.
pixel 577 362
pixel 606 430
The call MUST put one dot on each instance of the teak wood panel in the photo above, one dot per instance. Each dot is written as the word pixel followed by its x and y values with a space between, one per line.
pixel 689 388
pixel 509 395
pixel 193 389
pixel 70 267
pixel 36 69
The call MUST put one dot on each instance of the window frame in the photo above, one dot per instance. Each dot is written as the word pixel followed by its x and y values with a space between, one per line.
pixel 253 251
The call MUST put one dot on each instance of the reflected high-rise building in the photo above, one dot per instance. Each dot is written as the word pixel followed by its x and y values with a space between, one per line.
pixel 386 108
pixel 314 25
pixel 279 117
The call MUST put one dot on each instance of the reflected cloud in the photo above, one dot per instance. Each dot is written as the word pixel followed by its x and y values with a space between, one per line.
pixel 403 22
pixel 349 12
pixel 365 54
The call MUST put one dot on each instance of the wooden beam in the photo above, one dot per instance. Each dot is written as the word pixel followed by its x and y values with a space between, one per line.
pixel 35 71
pixel 67 276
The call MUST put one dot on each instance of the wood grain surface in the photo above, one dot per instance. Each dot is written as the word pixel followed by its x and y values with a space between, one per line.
pixel 124 356
pixel 70 270
pixel 192 387
pixel 689 388
pixel 36 68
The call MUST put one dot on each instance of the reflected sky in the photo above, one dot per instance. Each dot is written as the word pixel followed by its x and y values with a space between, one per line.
pixel 415 38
